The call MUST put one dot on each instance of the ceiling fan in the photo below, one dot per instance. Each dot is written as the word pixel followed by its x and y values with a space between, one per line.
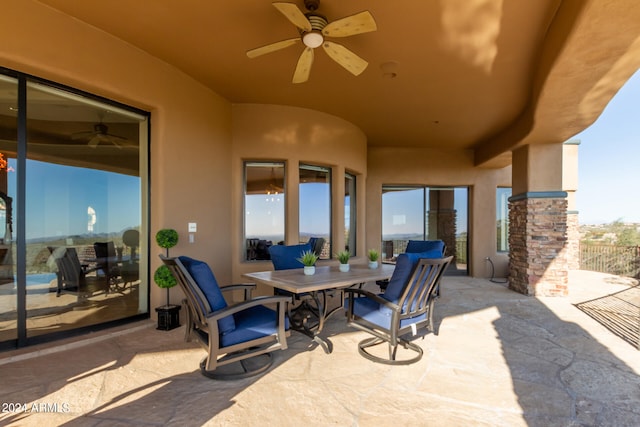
pixel 99 135
pixel 313 29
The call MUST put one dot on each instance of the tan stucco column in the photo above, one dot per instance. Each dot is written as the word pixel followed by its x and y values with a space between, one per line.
pixel 570 185
pixel 538 222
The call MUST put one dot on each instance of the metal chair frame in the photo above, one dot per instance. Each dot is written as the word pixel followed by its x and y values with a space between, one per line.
pixel 252 357
pixel 417 298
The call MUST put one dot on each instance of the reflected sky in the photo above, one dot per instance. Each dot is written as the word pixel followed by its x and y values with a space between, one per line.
pixel 66 200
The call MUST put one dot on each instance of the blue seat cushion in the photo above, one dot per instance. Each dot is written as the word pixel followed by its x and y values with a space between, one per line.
pixel 254 322
pixel 405 264
pixel 284 257
pixel 371 311
pixel 208 284
pixel 415 246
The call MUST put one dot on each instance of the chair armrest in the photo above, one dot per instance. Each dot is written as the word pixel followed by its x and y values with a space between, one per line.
pixel 238 286
pixel 247 304
pixel 246 287
pixel 377 298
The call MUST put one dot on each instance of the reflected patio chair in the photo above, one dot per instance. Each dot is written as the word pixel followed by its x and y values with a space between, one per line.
pixel 73 278
pixel 107 264
pixel 405 307
pixel 238 338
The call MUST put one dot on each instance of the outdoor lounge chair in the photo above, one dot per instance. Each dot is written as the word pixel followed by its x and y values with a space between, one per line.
pixel 238 338
pixel 405 307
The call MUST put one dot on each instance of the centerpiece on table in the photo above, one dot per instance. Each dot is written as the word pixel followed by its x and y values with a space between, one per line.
pixel 308 259
pixel 343 258
pixel 373 256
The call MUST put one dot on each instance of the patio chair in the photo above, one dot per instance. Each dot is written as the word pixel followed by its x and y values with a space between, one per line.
pixel 316 243
pixel 422 246
pixel 405 307
pixel 238 338
pixel 285 257
pixel 416 246
pixel 435 248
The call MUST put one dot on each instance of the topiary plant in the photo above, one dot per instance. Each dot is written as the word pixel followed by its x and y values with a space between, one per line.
pixel 166 238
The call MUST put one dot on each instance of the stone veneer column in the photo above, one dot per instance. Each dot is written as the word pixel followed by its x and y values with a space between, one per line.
pixel 446 229
pixel 538 243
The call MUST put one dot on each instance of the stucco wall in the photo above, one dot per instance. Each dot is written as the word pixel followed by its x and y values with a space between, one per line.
pixel 190 125
pixel 295 135
pixel 441 168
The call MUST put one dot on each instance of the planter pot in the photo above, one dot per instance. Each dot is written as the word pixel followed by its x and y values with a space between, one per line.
pixel 344 267
pixel 309 270
pixel 168 317
pixel 373 264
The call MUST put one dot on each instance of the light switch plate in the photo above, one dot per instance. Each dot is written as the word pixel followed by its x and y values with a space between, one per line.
pixel 193 227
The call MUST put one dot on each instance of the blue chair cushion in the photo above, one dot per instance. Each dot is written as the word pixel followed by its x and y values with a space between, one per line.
pixel 371 311
pixel 284 257
pixel 405 263
pixel 415 246
pixel 254 322
pixel 208 284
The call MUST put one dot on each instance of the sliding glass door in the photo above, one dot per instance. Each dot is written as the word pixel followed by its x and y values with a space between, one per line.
pixel 426 213
pixel 74 243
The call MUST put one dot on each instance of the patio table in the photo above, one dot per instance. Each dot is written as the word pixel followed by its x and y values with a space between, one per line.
pixel 326 278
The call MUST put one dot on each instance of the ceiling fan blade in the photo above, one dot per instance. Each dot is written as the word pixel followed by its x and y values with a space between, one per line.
pixel 94 142
pixel 293 14
pixel 303 69
pixel 272 47
pixel 359 23
pixel 343 56
pixel 81 135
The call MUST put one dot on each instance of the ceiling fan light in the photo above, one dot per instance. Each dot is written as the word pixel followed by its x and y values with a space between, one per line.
pixel 312 39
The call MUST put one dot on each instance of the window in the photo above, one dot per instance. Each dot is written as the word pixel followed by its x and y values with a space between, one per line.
pixel 350 213
pixel 77 166
pixel 425 213
pixel 264 207
pixel 315 206
pixel 502 218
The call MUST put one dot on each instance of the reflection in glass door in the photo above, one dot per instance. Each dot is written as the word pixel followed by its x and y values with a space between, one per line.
pixel 83 212
pixel 8 143
pixel 72 243
pixel 426 213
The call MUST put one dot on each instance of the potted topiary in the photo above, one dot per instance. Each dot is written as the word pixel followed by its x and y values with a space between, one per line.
pixel 373 255
pixel 169 314
pixel 343 257
pixel 308 259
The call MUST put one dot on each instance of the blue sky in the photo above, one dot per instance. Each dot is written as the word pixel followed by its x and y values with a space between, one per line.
pixel 608 159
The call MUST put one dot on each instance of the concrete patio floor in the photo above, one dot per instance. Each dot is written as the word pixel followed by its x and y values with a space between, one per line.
pixel 500 359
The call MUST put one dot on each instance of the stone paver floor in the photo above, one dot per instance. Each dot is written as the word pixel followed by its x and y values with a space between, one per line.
pixel 500 359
